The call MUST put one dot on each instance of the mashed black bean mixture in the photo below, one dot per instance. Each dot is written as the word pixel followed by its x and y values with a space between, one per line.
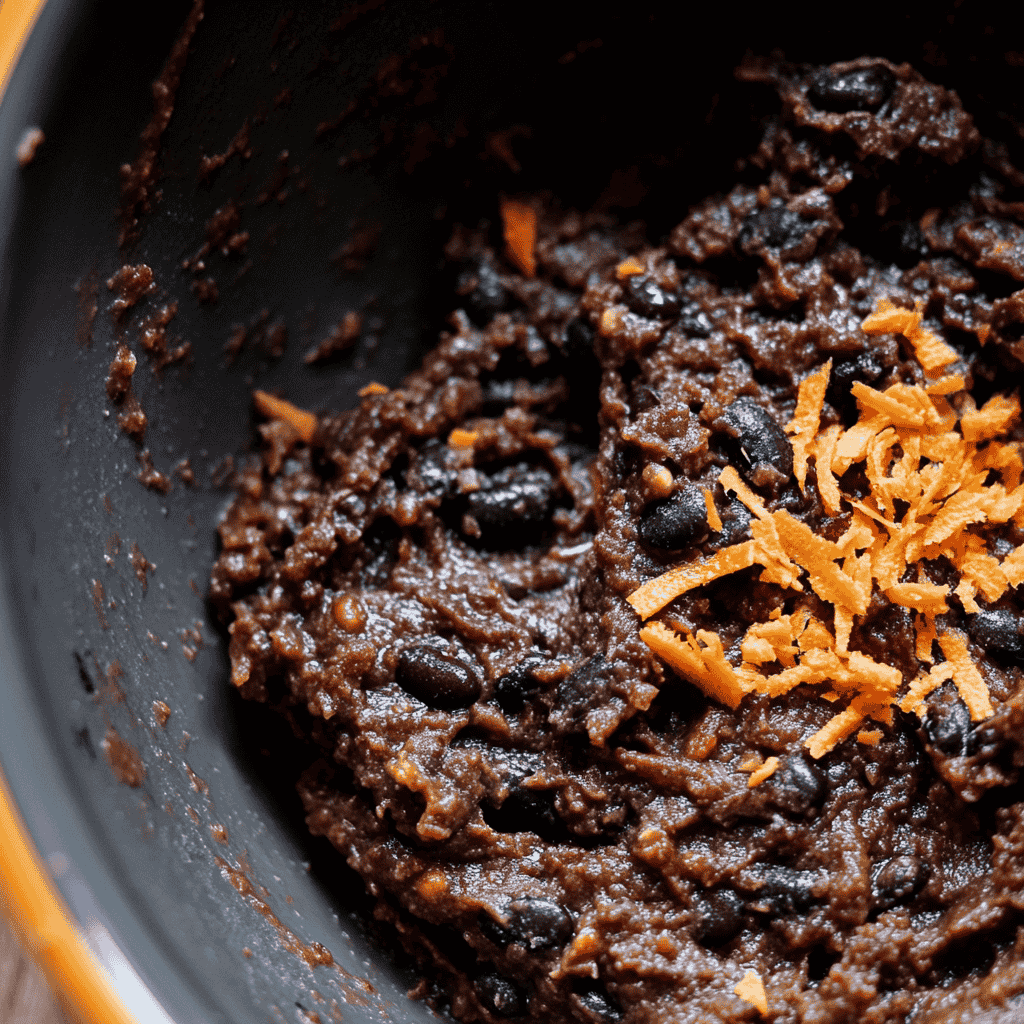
pixel 434 589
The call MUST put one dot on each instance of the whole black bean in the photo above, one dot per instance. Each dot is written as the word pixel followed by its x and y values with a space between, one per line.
pixel 999 632
pixel 511 504
pixel 797 785
pixel 721 916
pixel 579 338
pixel 647 298
pixel 597 1002
pixel 785 890
pixel 898 879
pixel 694 321
pixel 516 686
pixel 527 810
pixel 482 292
pixel 771 227
pixel 580 692
pixel 842 91
pixel 501 996
pixel 675 522
pixel 539 923
pixel 865 367
pixel 429 473
pixel 436 679
pixel 761 442
pixel 735 518
pixel 948 727
pixel 643 396
pixel 911 245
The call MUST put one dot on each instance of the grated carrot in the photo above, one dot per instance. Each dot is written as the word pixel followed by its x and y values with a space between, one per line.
pixel 520 222
pixel 807 419
pixel 628 267
pixel 766 771
pixel 658 592
pixel 714 675
pixel 751 990
pixel 946 385
pixel 714 519
pixel 995 417
pixel 931 470
pixel 833 732
pixel 275 408
pixel 460 438
pixel 373 388
pixel 966 676
pixel 825 454
pixel 929 598
pixel 731 481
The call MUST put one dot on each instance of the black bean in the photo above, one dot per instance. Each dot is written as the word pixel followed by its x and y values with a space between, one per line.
pixel 483 294
pixel 911 245
pixel 501 996
pixel 785 890
pixel 898 879
pixel 579 338
pixel 842 91
pixel 429 473
pixel 647 298
pixel 597 1002
pixel 694 321
pixel 798 785
pixel 498 395
pixel 735 518
pixel 436 679
pixel 771 227
pixel 721 916
pixel 516 686
pixel 675 522
pixel 865 367
pixel 511 504
pixel 948 727
pixel 527 810
pixel 580 692
pixel 643 397
pixel 539 923
pixel 999 632
pixel 761 442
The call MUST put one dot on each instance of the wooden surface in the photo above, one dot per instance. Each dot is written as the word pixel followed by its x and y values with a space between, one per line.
pixel 24 995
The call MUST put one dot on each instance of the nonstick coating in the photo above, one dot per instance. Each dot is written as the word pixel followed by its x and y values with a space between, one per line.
pixel 636 88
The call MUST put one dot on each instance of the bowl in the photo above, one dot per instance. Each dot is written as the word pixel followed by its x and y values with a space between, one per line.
pixel 343 141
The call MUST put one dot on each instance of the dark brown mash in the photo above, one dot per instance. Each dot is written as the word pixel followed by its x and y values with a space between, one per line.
pixel 555 823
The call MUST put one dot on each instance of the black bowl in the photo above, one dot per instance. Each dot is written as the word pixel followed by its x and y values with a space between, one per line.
pixel 342 213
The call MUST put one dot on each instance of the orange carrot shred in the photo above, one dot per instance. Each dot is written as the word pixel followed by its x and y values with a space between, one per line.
pixel 714 519
pixel 993 418
pixel 658 592
pixel 373 388
pixel 707 669
pixel 520 220
pixel 275 408
pixel 948 385
pixel 833 732
pixel 807 418
pixel 751 990
pixel 765 771
pixel 460 438
pixel 628 267
pixel 966 676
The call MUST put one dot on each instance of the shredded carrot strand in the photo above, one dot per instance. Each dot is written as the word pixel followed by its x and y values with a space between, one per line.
pixel 275 408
